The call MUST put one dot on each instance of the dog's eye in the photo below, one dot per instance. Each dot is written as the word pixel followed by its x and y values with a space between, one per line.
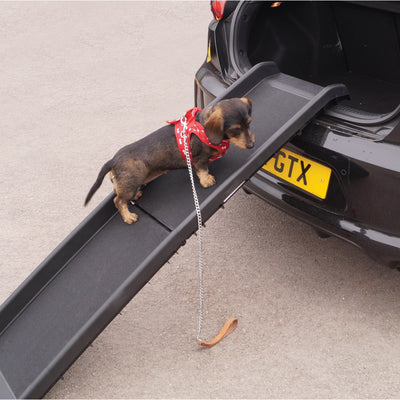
pixel 235 130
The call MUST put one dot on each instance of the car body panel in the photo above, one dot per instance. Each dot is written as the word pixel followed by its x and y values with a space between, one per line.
pixel 362 149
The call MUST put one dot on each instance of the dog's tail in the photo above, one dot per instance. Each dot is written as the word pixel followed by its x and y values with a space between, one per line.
pixel 106 168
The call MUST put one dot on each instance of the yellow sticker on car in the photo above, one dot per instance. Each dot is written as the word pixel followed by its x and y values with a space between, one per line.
pixel 300 171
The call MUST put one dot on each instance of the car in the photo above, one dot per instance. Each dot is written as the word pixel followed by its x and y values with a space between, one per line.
pixel 341 173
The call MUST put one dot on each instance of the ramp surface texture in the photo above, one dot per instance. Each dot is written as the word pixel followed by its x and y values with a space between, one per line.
pixel 77 291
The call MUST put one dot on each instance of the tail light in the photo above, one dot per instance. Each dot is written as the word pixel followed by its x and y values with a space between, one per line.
pixel 217 8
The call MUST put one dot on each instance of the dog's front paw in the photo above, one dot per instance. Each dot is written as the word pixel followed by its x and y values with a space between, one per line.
pixel 206 180
pixel 130 218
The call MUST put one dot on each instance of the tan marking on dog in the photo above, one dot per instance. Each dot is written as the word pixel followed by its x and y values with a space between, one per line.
pixel 246 100
pixel 239 141
pixel 112 176
pixel 138 195
pixel 206 179
pixel 252 137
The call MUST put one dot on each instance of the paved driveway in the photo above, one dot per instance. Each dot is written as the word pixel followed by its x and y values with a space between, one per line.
pixel 317 318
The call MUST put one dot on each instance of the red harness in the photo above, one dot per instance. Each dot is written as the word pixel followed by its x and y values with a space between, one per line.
pixel 195 127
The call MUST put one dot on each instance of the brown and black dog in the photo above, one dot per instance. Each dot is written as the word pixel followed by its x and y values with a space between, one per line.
pixel 139 163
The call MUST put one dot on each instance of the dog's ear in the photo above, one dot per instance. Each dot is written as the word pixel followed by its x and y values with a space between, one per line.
pixel 214 127
pixel 249 104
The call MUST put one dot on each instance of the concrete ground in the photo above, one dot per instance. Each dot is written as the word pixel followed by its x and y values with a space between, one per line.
pixel 317 318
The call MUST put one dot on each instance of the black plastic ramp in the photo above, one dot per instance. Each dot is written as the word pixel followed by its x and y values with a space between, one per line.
pixel 77 291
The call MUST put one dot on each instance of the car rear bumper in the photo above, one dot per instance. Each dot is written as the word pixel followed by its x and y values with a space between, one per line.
pixel 379 245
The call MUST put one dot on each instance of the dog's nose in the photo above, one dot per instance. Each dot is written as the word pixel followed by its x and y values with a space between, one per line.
pixel 250 145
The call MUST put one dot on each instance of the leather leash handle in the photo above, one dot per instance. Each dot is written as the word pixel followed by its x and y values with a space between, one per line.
pixel 228 328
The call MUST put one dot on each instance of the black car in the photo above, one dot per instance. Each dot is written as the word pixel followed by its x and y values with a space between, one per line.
pixel 351 151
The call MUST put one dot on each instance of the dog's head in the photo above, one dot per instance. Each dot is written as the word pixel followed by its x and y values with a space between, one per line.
pixel 229 119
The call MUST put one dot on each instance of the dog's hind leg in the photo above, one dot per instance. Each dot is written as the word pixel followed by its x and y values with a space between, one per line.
pixel 121 202
pixel 138 195
pixel 123 198
pixel 128 177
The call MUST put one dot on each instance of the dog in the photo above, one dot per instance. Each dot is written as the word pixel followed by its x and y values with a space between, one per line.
pixel 136 164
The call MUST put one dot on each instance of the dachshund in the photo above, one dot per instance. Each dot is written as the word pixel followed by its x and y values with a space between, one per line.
pixel 138 163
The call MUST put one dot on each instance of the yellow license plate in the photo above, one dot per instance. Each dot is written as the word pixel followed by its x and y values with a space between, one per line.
pixel 300 171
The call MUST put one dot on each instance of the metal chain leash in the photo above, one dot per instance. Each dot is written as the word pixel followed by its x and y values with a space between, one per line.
pixel 231 324
pixel 199 224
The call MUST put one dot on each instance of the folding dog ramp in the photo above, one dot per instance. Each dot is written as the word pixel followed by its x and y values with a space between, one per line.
pixel 84 283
